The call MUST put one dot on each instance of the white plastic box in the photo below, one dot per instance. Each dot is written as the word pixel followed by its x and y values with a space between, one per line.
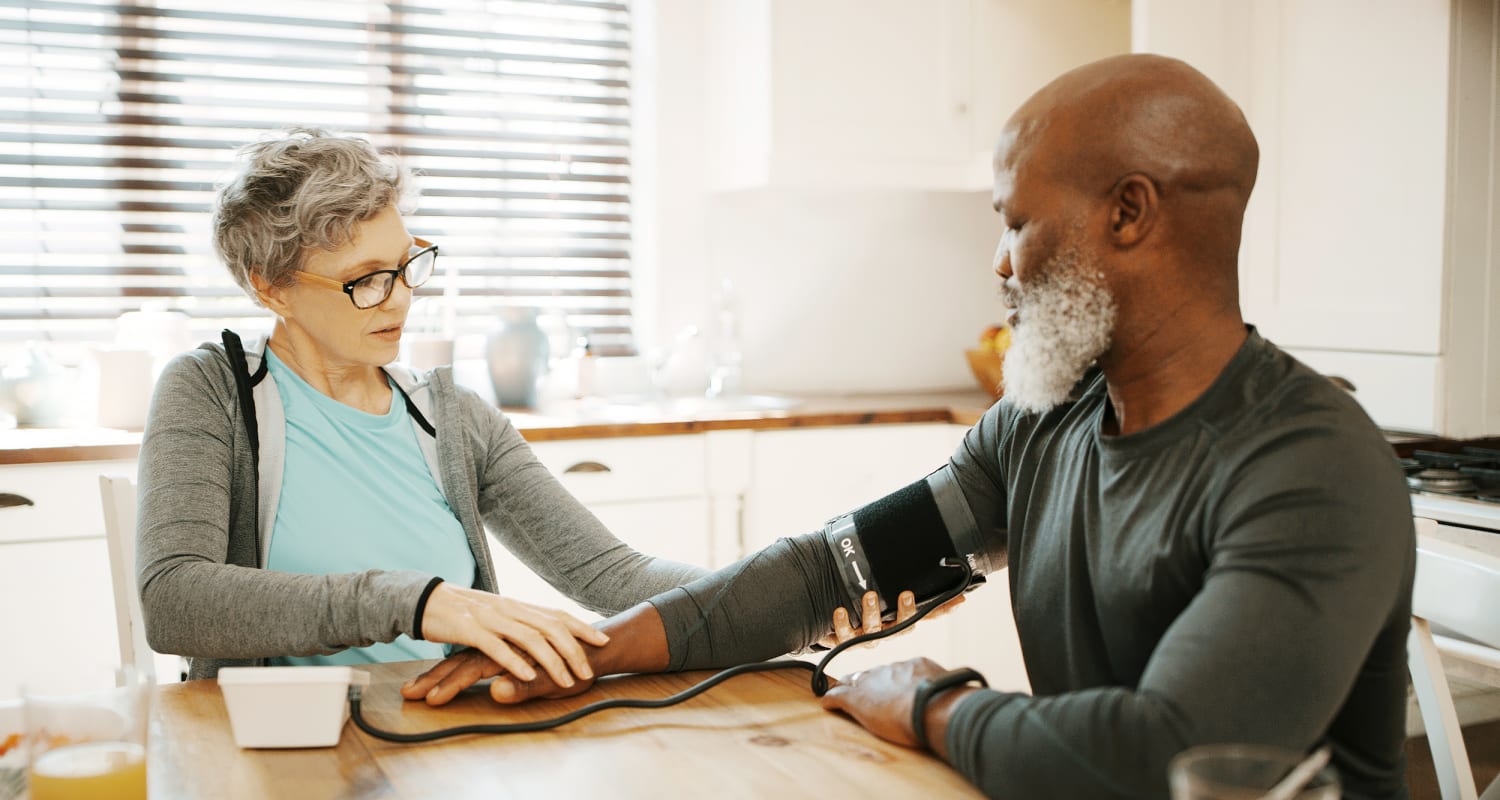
pixel 288 706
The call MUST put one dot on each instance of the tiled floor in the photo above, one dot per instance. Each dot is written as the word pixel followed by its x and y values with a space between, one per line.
pixel 1483 742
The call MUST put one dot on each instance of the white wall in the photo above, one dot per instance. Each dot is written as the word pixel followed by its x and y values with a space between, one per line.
pixel 857 290
pixel 670 87
pixel 841 290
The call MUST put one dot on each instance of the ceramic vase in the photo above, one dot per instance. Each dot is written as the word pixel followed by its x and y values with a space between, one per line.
pixel 516 351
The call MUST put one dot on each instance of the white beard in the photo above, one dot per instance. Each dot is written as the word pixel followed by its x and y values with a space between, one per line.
pixel 1063 328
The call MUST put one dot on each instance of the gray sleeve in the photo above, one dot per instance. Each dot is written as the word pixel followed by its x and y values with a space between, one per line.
pixel 977 465
pixel 544 526
pixel 195 604
pixel 1305 561
pixel 770 603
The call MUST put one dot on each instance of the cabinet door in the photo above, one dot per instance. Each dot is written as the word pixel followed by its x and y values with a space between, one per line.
pixel 801 478
pixel 627 469
pixel 56 611
pixel 65 499
pixel 884 93
pixel 1358 192
pixel 870 81
pixel 1343 244
pixel 673 529
pixel 650 491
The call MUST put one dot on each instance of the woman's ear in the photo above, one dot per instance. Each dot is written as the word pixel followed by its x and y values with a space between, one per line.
pixel 1136 206
pixel 272 297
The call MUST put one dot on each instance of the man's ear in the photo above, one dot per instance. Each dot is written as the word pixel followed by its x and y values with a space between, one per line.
pixel 1136 205
pixel 270 296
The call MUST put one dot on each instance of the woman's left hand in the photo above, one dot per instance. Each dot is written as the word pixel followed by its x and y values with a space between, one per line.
pixel 517 636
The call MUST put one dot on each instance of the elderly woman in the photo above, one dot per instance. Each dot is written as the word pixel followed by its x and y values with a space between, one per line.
pixel 305 501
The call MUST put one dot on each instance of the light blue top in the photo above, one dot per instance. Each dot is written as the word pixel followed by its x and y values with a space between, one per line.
pixel 356 494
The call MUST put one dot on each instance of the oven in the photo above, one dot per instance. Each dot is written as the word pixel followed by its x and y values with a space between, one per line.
pixel 1455 496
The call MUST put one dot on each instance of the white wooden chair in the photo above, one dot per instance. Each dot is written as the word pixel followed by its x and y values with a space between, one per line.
pixel 118 492
pixel 1458 589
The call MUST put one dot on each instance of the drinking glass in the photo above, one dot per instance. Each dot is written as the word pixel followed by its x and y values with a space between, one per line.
pixel 1242 772
pixel 86 737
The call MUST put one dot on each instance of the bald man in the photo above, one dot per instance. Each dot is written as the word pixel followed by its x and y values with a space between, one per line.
pixel 1208 542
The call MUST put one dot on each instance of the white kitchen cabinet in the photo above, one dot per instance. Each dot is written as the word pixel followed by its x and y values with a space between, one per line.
pixel 1475 686
pixel 801 478
pixel 1368 241
pixel 56 593
pixel 59 618
pixel 64 496
pixel 649 491
pixel 884 92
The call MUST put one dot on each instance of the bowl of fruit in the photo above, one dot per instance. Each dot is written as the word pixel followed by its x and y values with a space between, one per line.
pixel 12 755
pixel 986 359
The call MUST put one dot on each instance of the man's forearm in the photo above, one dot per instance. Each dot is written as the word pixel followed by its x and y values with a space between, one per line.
pixel 637 643
pixel 775 601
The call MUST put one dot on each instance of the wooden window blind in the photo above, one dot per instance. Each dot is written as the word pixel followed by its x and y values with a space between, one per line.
pixel 118 119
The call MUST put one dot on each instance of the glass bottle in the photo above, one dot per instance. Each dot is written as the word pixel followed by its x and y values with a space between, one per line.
pixel 725 358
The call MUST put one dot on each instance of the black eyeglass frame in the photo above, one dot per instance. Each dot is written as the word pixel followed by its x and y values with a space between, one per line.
pixel 347 287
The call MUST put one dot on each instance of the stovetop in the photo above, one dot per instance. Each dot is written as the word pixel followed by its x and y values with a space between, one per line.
pixel 1472 472
pixel 1460 485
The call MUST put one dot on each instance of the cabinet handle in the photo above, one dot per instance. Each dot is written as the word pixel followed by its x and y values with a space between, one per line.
pixel 587 466
pixel 13 500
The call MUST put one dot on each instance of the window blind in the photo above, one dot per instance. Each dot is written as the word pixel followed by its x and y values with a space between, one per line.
pixel 118 119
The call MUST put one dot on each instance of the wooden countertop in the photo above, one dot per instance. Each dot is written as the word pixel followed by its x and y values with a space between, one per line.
pixel 870 409
pixel 757 735
pixel 48 445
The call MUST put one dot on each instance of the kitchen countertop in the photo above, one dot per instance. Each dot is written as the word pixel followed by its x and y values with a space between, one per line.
pixel 579 420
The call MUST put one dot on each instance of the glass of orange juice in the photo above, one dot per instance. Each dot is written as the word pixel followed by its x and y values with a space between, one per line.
pixel 86 734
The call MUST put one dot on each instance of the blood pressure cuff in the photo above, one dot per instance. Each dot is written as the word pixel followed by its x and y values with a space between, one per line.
pixel 898 542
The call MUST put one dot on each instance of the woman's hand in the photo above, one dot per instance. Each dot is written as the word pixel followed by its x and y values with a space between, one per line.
pixel 497 627
pixel 638 644
pixel 906 608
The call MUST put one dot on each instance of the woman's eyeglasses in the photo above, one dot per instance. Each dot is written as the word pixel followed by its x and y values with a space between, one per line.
pixel 368 291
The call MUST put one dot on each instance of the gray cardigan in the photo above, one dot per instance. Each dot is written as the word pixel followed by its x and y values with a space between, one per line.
pixel 206 513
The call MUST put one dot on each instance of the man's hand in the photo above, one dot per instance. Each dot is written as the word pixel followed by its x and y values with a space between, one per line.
pixel 880 699
pixel 461 670
pixel 499 626
pixel 906 608
pixel 634 641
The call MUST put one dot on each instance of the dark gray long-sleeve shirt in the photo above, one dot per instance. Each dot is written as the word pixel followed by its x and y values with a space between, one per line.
pixel 205 508
pixel 1238 573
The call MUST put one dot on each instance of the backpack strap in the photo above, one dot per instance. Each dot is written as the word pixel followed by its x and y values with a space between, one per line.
pixel 244 381
pixel 411 408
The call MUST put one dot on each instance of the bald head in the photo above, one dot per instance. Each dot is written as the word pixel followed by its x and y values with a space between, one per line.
pixel 1154 118
pixel 1138 113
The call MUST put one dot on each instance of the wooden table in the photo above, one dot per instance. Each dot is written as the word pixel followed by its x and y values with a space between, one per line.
pixel 761 735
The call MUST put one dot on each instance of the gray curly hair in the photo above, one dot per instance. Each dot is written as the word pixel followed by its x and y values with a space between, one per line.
pixel 307 188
